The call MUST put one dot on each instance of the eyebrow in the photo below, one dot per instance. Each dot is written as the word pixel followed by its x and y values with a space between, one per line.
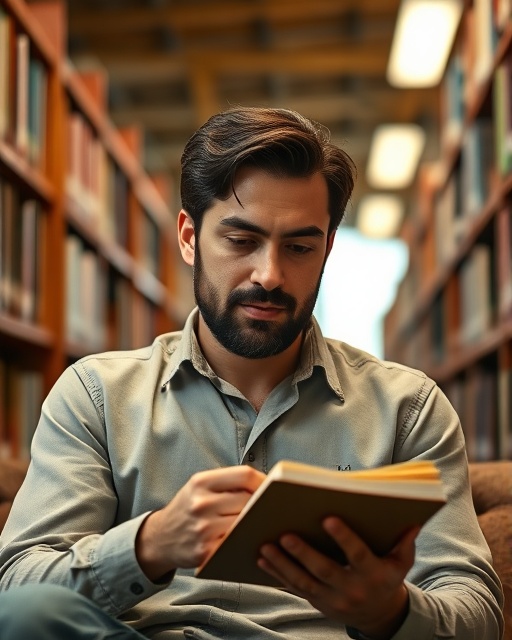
pixel 301 232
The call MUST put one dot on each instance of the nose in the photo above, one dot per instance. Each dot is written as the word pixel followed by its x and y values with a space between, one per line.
pixel 267 270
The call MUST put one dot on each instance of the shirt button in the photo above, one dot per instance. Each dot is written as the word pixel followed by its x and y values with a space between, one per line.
pixel 136 588
pixel 251 457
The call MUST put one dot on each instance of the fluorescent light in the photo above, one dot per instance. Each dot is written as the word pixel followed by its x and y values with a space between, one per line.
pixel 394 155
pixel 422 41
pixel 380 215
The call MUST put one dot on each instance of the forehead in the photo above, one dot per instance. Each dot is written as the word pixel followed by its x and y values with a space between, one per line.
pixel 275 203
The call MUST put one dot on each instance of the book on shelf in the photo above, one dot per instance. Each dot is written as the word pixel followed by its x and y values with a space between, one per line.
pixel 476 165
pixel 37 92
pixel 504 384
pixel 24 398
pixel 380 505
pixel 5 72
pixel 22 83
pixel 485 39
pixel 502 104
pixel 453 108
pixel 504 270
pixel 486 418
pixel 477 293
pixel 21 234
pixel 503 13
pixel 86 296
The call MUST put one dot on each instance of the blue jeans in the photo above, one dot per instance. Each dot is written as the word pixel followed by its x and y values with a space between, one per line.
pixel 50 612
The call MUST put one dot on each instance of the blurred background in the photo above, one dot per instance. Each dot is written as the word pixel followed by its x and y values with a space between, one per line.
pixel 344 63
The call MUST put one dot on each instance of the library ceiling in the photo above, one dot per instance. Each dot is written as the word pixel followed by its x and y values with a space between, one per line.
pixel 172 63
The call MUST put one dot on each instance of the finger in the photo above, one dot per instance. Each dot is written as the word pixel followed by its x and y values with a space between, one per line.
pixel 324 569
pixel 405 550
pixel 293 576
pixel 242 478
pixel 230 502
pixel 359 556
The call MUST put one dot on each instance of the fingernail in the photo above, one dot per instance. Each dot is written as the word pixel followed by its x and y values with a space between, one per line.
pixel 288 542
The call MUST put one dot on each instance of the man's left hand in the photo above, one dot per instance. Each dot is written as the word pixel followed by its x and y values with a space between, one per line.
pixel 368 593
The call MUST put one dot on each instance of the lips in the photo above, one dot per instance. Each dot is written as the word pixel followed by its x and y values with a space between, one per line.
pixel 262 312
pixel 275 301
pixel 264 307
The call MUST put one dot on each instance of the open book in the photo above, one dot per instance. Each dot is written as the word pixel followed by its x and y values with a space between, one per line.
pixel 378 504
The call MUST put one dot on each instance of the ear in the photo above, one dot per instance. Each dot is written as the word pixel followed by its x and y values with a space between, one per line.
pixel 186 237
pixel 330 242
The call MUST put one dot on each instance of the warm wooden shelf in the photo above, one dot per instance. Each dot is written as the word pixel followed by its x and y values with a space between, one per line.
pixel 16 165
pixel 25 18
pixel 12 329
pixel 94 280
pixel 452 315
pixel 468 355
pixel 438 280
pixel 149 285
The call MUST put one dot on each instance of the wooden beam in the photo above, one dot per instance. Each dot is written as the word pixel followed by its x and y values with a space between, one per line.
pixel 203 87
pixel 134 67
pixel 327 108
pixel 219 14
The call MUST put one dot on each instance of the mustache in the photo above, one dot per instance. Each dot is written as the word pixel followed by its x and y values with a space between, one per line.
pixel 275 297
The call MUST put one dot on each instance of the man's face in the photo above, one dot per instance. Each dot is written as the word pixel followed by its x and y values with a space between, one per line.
pixel 258 264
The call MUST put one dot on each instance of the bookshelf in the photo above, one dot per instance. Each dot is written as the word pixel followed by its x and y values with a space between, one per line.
pixel 453 313
pixel 87 258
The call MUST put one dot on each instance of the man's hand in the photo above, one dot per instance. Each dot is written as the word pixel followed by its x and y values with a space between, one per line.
pixel 183 533
pixel 368 593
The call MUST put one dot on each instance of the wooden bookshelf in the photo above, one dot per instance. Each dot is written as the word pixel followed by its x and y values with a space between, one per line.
pixel 453 312
pixel 87 257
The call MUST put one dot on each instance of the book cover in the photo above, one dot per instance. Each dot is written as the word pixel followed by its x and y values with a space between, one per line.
pixel 5 65
pixel 380 505
pixel 22 88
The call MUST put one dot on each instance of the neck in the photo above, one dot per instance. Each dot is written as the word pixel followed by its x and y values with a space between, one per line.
pixel 254 377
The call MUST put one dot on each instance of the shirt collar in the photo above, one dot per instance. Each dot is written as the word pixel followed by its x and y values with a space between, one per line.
pixel 314 354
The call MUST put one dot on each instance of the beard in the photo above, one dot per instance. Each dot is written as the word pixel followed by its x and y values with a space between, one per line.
pixel 247 337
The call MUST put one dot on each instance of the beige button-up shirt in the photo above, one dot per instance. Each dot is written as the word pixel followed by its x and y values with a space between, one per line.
pixel 121 432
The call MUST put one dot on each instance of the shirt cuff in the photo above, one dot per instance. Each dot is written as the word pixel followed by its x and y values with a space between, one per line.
pixel 117 570
pixel 419 623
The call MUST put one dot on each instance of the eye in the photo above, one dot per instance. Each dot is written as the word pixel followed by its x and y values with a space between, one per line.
pixel 299 249
pixel 241 243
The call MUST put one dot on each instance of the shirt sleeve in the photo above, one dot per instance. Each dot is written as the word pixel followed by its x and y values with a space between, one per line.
pixel 62 527
pixel 454 592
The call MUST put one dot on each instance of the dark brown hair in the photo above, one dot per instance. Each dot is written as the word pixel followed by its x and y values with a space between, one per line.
pixel 279 141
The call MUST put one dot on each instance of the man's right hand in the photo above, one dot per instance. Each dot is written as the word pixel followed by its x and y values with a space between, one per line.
pixel 184 532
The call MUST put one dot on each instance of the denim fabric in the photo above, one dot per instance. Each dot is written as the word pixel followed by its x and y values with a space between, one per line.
pixel 51 612
pixel 121 432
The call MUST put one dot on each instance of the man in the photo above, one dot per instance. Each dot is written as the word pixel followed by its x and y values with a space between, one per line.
pixel 143 459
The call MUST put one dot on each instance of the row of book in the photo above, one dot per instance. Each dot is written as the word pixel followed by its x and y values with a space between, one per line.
pixel 86 295
pixel 502 98
pixel 453 310
pixel 482 399
pixel 94 182
pixel 467 189
pixel 132 318
pixel 461 314
pixel 23 92
pixel 477 294
pixel 481 394
pixel 471 65
pixel 103 309
pixel 21 397
pixel 22 233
